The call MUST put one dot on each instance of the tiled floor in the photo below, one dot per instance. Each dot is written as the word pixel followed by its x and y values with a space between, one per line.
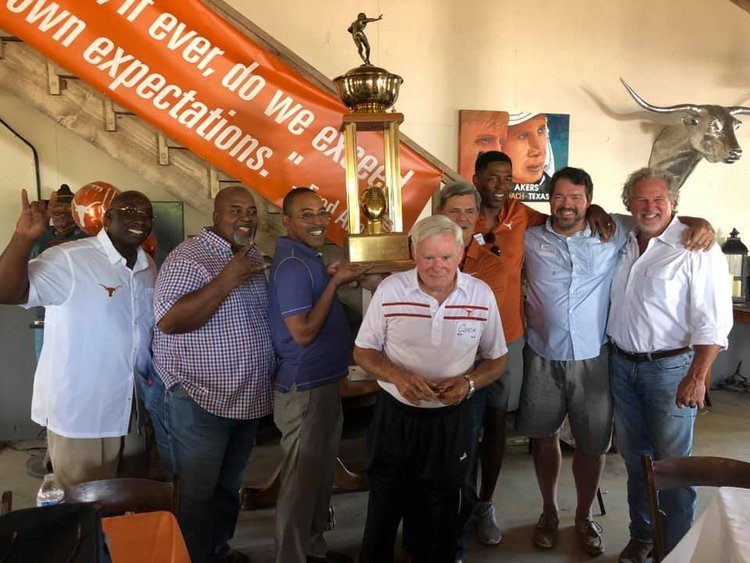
pixel 724 430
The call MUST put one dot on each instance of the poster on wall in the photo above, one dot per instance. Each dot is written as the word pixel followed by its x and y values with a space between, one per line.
pixel 537 144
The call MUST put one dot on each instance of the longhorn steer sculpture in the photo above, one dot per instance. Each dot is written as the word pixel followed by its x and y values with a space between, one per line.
pixel 706 131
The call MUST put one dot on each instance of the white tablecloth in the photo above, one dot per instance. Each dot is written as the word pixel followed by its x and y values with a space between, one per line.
pixel 721 533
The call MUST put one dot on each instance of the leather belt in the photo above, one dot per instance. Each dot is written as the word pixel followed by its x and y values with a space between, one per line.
pixel 650 356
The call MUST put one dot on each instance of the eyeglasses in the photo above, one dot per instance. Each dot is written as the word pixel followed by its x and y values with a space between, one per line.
pixel 310 216
pixel 132 211
pixel 489 238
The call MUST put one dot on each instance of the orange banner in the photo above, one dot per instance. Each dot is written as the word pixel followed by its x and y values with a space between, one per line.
pixel 189 73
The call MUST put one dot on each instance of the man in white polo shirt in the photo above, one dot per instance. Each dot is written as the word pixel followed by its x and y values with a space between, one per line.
pixel 98 293
pixel 431 336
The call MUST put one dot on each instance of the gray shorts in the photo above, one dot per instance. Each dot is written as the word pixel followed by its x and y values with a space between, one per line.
pixel 576 388
pixel 504 393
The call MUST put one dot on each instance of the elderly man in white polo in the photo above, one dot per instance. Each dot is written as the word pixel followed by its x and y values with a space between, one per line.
pixel 431 336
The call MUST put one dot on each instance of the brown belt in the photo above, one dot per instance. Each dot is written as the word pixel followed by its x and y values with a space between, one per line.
pixel 650 356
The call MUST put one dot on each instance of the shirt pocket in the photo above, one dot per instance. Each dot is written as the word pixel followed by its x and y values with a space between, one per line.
pixel 661 283
pixel 467 334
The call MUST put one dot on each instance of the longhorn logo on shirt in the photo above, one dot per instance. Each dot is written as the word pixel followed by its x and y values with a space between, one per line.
pixel 110 290
pixel 509 224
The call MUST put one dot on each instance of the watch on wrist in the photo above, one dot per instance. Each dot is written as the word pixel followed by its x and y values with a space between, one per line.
pixel 472 387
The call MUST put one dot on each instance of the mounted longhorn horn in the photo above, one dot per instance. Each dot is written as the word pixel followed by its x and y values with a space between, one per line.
pixel 705 132
pixel 691 108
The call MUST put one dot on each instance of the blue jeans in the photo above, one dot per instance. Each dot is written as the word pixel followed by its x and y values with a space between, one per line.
pixel 647 420
pixel 151 392
pixel 209 454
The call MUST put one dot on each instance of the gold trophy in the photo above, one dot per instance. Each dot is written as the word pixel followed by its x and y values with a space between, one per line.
pixel 368 92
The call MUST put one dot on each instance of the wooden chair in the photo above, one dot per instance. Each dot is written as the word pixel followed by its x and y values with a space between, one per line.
pixel 6 505
pixel 676 472
pixel 118 496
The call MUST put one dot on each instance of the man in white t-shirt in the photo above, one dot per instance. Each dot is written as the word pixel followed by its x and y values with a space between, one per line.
pixel 431 336
pixel 98 293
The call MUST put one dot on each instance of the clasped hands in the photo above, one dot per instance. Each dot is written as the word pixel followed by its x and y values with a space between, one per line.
pixel 415 389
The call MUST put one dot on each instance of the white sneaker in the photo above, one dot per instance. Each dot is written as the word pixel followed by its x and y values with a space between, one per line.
pixel 488 532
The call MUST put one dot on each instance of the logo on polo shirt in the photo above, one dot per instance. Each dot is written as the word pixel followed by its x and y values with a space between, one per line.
pixel 509 224
pixel 110 290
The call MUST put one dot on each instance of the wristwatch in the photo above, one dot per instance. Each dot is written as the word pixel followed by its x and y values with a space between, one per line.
pixel 472 387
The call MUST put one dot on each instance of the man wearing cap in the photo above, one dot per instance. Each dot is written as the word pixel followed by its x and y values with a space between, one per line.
pixel 63 227
pixel 528 146
pixel 98 294
pixel 671 314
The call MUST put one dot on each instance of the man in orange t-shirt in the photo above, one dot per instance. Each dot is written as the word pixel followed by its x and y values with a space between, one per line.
pixel 501 227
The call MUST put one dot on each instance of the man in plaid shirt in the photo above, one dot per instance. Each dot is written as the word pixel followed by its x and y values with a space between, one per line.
pixel 213 353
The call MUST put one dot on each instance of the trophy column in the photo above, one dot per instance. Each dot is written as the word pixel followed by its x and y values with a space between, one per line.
pixel 387 251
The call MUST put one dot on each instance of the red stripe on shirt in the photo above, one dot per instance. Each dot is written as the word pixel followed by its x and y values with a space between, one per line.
pixel 390 315
pixel 468 307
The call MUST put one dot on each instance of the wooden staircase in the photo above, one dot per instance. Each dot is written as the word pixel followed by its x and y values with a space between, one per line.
pixel 119 133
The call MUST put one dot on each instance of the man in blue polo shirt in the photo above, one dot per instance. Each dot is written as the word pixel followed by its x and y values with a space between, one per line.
pixel 311 337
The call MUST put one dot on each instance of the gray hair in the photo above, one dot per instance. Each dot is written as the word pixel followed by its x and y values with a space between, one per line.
pixel 647 173
pixel 435 225
pixel 455 189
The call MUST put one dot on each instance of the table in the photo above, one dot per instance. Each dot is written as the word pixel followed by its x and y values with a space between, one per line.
pixel 721 533
pixel 148 537
pixel 742 312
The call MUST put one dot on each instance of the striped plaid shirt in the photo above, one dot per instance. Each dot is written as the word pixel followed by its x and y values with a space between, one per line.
pixel 434 340
pixel 227 364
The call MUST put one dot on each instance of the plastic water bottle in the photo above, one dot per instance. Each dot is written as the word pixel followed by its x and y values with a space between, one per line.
pixel 51 491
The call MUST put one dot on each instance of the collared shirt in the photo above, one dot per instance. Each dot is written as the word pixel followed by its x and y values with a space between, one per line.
pixel 435 340
pixel 97 336
pixel 669 297
pixel 512 221
pixel 225 365
pixel 480 262
pixel 567 295
pixel 298 278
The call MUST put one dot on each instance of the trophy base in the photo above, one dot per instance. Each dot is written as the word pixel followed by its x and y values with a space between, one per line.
pixel 388 252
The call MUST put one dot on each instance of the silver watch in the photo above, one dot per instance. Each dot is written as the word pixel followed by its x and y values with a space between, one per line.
pixel 472 387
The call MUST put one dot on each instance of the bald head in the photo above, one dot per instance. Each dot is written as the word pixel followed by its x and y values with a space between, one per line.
pixel 235 216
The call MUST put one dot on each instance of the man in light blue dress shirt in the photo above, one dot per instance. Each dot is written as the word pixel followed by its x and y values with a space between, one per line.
pixel 565 361
pixel 566 358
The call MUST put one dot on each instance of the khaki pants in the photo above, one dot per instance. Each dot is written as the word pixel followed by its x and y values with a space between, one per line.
pixel 77 460
pixel 310 423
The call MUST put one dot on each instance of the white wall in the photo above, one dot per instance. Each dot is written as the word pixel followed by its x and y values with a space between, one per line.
pixel 545 55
